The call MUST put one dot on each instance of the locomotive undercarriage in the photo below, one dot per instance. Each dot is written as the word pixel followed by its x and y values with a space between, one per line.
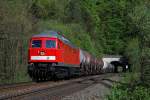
pixel 51 71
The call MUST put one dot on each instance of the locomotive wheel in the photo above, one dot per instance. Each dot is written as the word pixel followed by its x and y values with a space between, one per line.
pixel 37 75
pixel 45 76
pixel 54 76
pixel 68 74
pixel 49 76
pixel 30 73
pixel 33 74
pixel 42 76
pixel 35 78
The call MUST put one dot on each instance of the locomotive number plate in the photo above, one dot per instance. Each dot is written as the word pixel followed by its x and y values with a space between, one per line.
pixel 43 58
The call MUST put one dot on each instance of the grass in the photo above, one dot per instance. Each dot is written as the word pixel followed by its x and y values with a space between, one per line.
pixel 130 91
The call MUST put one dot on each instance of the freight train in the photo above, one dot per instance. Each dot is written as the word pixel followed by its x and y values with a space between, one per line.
pixel 51 56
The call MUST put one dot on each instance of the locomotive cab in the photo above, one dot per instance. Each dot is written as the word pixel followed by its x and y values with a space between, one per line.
pixel 43 50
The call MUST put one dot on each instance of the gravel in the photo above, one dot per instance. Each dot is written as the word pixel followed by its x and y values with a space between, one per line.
pixel 97 91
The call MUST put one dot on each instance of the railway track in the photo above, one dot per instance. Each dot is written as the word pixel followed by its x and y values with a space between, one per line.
pixel 50 89
pixel 10 91
pixel 7 86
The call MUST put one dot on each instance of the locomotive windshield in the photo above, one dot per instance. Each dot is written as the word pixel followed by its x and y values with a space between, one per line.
pixel 50 44
pixel 36 43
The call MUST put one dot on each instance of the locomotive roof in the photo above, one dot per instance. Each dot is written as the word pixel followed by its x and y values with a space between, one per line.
pixel 47 34
pixel 55 35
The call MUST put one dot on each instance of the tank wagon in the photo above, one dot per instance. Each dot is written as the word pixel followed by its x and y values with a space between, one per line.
pixel 51 55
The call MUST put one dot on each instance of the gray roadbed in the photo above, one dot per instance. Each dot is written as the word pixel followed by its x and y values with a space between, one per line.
pixel 97 91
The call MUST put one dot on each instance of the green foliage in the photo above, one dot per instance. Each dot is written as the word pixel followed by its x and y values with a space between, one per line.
pixel 15 19
pixel 122 92
pixel 73 11
pixel 138 52
pixel 46 9
pixel 140 17
pixel 133 53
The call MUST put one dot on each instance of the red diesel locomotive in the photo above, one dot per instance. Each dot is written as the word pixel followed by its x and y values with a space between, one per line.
pixel 51 55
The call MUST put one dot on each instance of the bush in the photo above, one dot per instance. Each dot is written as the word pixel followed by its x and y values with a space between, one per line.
pixel 123 92
pixel 133 53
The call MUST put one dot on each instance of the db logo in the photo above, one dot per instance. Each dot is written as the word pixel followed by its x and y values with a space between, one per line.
pixel 42 53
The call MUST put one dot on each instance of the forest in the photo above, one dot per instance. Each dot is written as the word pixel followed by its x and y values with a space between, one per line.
pixel 101 27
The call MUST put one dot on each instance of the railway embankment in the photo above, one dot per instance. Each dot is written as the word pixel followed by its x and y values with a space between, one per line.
pixel 97 91
pixel 84 88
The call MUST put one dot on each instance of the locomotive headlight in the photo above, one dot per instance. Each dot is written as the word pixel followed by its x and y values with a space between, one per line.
pixel 42 53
